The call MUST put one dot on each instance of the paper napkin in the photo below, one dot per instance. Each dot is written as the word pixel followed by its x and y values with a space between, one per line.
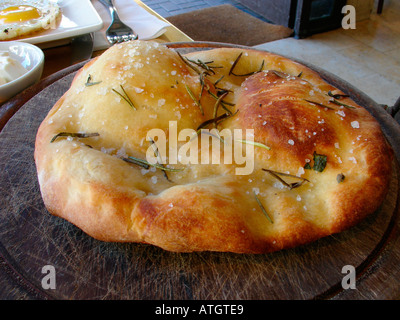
pixel 146 25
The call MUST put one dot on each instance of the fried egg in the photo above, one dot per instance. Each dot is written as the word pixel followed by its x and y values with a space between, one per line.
pixel 22 17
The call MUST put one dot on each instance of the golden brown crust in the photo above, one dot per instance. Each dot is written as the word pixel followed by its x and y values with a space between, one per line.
pixel 208 206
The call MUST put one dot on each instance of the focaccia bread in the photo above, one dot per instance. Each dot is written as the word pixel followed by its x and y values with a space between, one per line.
pixel 317 163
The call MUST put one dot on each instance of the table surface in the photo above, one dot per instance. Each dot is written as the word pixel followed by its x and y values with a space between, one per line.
pixel 31 238
pixel 58 58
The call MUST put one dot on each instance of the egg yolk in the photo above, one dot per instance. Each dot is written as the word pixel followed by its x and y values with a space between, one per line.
pixel 18 14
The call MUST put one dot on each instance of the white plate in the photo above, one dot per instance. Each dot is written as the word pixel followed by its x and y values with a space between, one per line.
pixel 78 17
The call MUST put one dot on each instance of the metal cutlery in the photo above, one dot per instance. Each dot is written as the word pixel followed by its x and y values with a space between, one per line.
pixel 117 31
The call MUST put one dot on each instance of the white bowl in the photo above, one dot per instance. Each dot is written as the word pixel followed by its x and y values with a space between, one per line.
pixel 31 57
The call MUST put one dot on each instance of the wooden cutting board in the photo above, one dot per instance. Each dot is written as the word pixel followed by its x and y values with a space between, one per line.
pixel 30 238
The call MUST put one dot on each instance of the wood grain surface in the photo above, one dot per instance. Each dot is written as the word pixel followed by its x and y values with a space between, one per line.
pixel 31 238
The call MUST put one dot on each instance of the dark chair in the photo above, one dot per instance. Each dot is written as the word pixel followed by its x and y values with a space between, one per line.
pixel 380 7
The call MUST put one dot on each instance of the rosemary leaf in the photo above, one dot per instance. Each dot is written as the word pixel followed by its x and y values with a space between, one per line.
pixel 217 103
pixel 216 82
pixel 342 104
pixel 89 82
pixel 216 120
pixel 74 134
pixel 320 162
pixel 245 74
pixel 307 166
pixel 194 99
pixel 204 65
pixel 185 60
pixel 157 154
pixel 257 144
pixel 291 186
pixel 279 74
pixel 125 97
pixel 262 208
pixel 211 134
pixel 210 121
pixel 139 162
pixel 222 102
pixel 145 164
pixel 337 96
pixel 202 83
pixel 319 104
pixel 235 63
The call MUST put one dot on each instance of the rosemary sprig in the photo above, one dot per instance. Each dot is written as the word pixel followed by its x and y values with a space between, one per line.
pixel 197 102
pixel 125 96
pixel 185 60
pixel 145 164
pixel 204 65
pixel 257 144
pixel 89 82
pixel 262 208
pixel 291 186
pixel 74 135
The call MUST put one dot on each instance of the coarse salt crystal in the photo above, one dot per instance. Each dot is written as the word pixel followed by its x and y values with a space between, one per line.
pixel 138 65
pixel 355 124
pixel 353 159
pixel 161 102
pixel 341 113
